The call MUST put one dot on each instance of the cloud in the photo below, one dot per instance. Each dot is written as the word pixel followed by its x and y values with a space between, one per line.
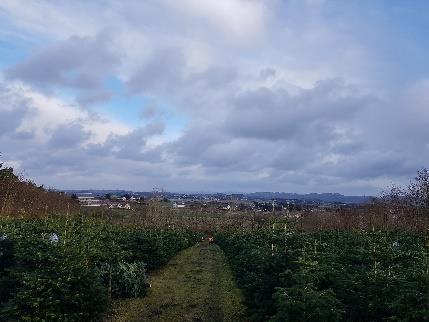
pixel 80 63
pixel 69 136
pixel 242 19
pixel 43 127
pixel 130 146
pixel 220 95
pixel 150 111
pixel 13 108
pixel 47 19
pixel 321 135
pixel 267 73
pixel 312 114
pixel 162 73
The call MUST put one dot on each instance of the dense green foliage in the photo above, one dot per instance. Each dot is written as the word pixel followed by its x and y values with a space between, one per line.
pixel 128 279
pixel 331 276
pixel 68 269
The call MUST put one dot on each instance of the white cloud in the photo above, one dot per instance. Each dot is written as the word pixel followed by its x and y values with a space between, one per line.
pixel 242 19
pixel 46 113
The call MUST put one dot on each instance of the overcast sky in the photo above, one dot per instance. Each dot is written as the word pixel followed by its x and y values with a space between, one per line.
pixel 226 95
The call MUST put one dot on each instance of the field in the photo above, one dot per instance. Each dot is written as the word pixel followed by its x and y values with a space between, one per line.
pixel 70 269
pixel 65 263
pixel 331 276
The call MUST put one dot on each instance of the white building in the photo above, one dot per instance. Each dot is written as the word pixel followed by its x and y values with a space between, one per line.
pixel 178 205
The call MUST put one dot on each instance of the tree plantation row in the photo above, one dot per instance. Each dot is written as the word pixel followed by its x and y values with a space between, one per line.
pixel 331 275
pixel 69 269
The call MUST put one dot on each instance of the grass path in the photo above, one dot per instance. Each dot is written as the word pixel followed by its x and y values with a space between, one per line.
pixel 196 285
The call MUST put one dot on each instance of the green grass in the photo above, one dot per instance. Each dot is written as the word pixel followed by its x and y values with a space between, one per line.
pixel 196 285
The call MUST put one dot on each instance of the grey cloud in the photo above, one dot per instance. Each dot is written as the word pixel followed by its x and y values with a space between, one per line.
pixel 154 155
pixel 368 164
pixel 214 78
pixel 68 136
pixel 310 116
pixel 77 62
pixel 91 97
pixel 71 161
pixel 167 74
pixel 267 73
pixel 11 119
pixel 321 135
pixel 23 135
pixel 13 108
pixel 290 156
pixel 194 142
pixel 129 146
pixel 164 72
pixel 349 147
pixel 150 111
pixel 240 155
pixel 265 137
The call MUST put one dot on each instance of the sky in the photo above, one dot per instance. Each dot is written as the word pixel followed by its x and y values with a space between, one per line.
pixel 227 95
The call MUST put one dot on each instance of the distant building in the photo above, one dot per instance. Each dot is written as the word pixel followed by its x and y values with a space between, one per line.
pixel 178 205
pixel 83 199
pixel 88 200
pixel 126 206
pixel 227 207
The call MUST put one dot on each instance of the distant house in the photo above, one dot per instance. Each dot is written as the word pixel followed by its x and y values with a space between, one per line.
pixel 85 199
pixel 227 207
pixel 178 205
pixel 93 204
pixel 118 198
pixel 120 206
pixel 88 200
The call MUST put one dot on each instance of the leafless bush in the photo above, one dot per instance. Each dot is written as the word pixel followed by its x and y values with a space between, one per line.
pixel 21 197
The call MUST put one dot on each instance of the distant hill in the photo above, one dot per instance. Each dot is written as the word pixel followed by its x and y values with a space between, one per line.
pixel 325 197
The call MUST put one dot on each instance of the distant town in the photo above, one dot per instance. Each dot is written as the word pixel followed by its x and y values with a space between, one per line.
pixel 257 201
